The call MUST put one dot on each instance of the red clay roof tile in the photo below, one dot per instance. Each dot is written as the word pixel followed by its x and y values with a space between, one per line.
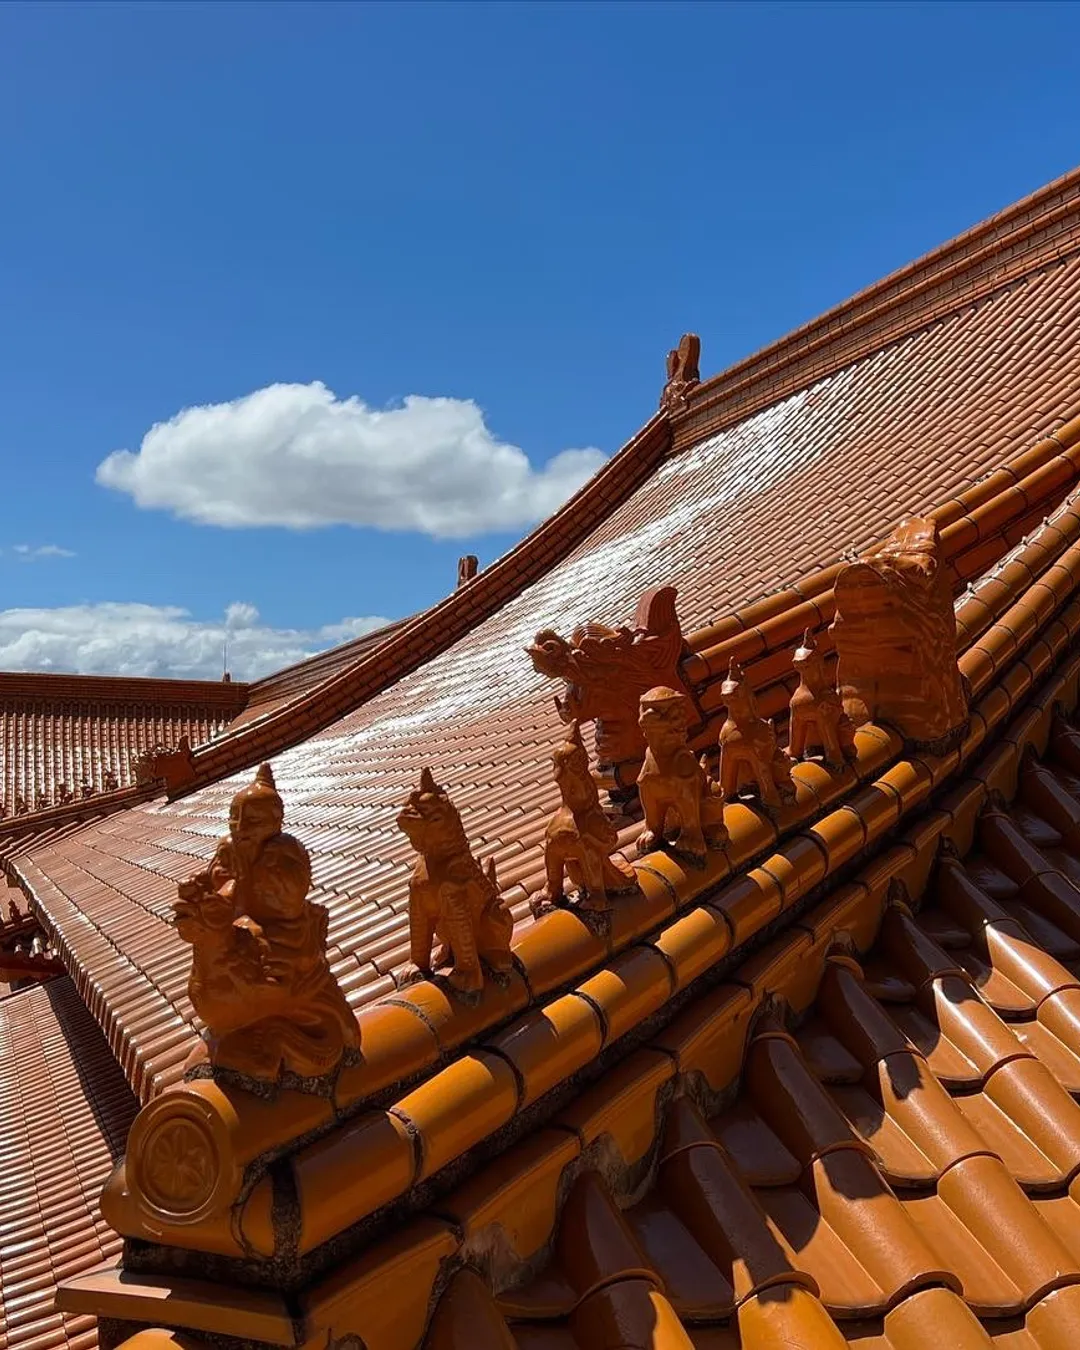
pixel 65 1111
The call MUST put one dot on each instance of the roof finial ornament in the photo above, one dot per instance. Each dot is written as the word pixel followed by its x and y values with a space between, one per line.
pixel 818 721
pixel 467 569
pixel 580 841
pixel 451 899
pixel 682 372
pixel 260 979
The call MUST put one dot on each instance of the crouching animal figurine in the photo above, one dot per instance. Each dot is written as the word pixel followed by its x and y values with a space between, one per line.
pixel 451 899
pixel 580 838
pixel 750 756
pixel 682 804
pixel 818 719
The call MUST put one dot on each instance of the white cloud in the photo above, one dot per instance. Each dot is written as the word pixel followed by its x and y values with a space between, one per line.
pixel 296 455
pixel 29 553
pixel 133 639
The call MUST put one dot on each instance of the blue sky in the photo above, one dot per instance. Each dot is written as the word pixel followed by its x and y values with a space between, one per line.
pixel 519 205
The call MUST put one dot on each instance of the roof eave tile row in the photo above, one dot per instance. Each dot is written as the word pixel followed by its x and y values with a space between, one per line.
pixel 504 1217
pixel 479 1094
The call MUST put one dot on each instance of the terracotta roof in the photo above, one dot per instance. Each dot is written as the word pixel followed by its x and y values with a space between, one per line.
pixel 745 512
pixel 64 729
pixel 64 1115
pixel 824 1101
pixel 866 1135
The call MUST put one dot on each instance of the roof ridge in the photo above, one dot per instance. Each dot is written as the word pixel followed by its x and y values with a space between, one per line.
pixel 266 682
pixel 50 685
pixel 1040 228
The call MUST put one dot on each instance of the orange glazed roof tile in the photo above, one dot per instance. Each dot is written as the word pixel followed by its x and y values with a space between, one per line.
pixel 866 1135
pixel 751 509
pixel 65 1111
pixel 863 1132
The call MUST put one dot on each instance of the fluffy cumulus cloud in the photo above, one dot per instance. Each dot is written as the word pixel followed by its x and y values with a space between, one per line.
pixel 295 455
pixel 132 639
pixel 39 552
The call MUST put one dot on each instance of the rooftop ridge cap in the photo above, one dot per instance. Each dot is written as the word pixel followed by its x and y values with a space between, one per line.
pixel 829 328
pixel 1005 731
pixel 145 686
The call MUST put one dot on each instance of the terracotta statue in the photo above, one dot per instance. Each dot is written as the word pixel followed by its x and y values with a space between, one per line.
pixel 65 796
pixel 86 788
pixel 467 568
pixel 14 913
pixel 42 800
pixel 818 720
pixel 682 371
pixel 259 976
pixel 451 900
pixel 895 633
pixel 580 839
pixel 109 781
pixel 606 671
pixel 21 806
pixel 682 803
pixel 750 757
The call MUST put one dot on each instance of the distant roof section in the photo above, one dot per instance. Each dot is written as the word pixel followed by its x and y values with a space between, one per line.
pixel 59 732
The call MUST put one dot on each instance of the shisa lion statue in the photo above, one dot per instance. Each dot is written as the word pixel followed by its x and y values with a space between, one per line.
pixel 260 979
pixel 750 755
pixel 818 720
pixel 580 839
pixel 682 804
pixel 452 901
pixel 606 671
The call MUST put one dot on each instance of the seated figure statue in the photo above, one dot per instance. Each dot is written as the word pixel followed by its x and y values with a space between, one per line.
pixel 259 978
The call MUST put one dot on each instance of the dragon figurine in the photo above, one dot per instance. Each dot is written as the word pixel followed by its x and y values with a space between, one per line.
pixel 606 671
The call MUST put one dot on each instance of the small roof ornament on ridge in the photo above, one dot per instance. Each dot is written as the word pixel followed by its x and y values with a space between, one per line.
pixel 467 568
pixel 683 372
